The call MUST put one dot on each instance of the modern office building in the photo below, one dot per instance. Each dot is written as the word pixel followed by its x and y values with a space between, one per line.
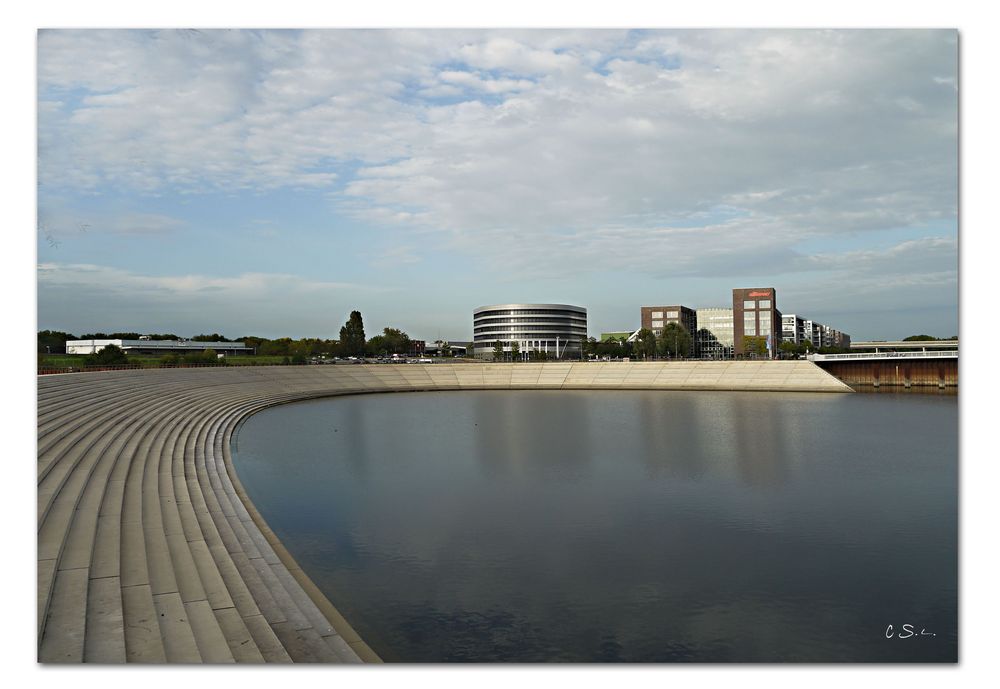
pixel 714 339
pixel 156 346
pixel 756 315
pixel 556 329
pixel 655 318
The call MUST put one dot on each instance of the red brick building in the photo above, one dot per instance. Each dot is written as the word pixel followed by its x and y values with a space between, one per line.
pixel 755 314
pixel 656 317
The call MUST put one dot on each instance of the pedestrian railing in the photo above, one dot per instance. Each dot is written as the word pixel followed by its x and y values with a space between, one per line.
pixel 884 355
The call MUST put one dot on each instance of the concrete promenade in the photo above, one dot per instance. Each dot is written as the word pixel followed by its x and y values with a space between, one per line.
pixel 150 551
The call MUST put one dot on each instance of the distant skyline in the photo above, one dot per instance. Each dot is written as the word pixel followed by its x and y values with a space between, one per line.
pixel 269 182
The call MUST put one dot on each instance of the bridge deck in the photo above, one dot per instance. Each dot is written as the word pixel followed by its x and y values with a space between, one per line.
pixel 872 356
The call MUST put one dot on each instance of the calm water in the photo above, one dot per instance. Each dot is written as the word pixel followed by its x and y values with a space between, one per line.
pixel 621 526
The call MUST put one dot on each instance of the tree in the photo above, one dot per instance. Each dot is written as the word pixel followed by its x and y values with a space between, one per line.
pixel 352 335
pixel 497 350
pixel 214 337
pixel 314 346
pixel 300 352
pixel 445 349
pixel 53 341
pixel 376 346
pixel 674 341
pixel 588 347
pixel 391 341
pixel 110 355
pixel 755 344
pixel 515 351
pixel 919 338
pixel 206 357
pixel 789 348
pixel 614 348
pixel 252 341
pixel 627 348
pixel 110 336
pixel 280 347
pixel 645 344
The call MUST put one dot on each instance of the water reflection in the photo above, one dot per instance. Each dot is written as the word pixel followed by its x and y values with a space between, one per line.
pixel 547 438
pixel 607 526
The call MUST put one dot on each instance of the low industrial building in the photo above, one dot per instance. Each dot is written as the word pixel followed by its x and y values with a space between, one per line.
pixel 156 346
pixel 616 335
pixel 445 348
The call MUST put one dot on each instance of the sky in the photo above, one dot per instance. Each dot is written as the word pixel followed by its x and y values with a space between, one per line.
pixel 270 182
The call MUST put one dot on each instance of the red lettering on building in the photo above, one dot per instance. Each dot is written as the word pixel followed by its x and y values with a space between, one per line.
pixel 759 294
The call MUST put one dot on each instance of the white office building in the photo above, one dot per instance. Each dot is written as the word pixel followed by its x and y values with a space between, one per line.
pixel 558 330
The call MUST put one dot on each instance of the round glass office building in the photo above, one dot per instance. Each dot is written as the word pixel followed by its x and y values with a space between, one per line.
pixel 555 329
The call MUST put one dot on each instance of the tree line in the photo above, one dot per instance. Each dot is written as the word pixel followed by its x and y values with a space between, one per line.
pixel 352 342
pixel 673 342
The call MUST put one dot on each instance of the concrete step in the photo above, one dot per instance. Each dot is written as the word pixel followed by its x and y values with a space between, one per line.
pixel 147 551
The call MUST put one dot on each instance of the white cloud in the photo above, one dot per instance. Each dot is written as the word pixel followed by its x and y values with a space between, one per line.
pixel 61 222
pixel 516 56
pixel 117 280
pixel 475 81
pixel 70 294
pixel 598 147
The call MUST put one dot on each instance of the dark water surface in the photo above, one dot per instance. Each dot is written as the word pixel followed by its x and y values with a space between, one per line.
pixel 621 526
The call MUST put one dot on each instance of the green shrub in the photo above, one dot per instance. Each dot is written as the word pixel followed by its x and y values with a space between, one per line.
pixel 110 355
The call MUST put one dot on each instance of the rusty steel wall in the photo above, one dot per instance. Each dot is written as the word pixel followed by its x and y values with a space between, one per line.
pixel 903 372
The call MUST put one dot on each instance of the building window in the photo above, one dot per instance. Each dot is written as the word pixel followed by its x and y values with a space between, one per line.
pixel 764 303
pixel 657 324
pixel 657 314
pixel 749 304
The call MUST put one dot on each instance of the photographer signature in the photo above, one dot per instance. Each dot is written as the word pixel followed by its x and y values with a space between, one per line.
pixel 907 631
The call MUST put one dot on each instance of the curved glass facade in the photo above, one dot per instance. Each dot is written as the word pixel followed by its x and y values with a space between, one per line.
pixel 555 329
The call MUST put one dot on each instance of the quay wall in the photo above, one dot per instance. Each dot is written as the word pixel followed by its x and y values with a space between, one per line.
pixel 906 373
